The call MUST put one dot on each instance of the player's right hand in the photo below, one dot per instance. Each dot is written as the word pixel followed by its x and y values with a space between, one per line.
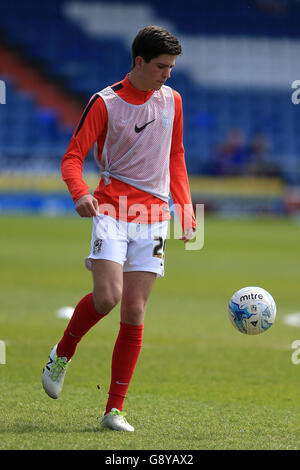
pixel 87 206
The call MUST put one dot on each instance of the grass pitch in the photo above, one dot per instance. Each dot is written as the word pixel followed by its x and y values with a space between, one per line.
pixel 199 383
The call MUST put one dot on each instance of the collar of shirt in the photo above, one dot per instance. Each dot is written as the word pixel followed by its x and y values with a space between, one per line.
pixel 133 95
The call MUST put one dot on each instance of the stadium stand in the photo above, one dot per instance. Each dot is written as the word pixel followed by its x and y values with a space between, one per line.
pixel 230 79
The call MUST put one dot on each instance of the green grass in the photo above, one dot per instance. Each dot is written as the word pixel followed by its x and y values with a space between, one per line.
pixel 199 383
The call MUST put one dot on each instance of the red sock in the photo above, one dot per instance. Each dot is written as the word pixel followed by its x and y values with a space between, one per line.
pixel 84 317
pixel 125 355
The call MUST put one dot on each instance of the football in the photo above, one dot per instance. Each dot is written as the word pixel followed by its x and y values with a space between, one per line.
pixel 252 310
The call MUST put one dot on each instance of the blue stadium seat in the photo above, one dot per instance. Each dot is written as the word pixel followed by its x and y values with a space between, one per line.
pixel 87 64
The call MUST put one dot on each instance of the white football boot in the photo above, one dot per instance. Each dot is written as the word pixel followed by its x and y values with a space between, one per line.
pixel 116 421
pixel 54 374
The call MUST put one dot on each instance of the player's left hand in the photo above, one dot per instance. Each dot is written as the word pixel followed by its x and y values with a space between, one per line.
pixel 187 235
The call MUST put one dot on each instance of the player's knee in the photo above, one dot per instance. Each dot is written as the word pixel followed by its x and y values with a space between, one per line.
pixel 133 313
pixel 106 298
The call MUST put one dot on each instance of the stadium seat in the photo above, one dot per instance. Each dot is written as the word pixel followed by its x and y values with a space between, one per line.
pixel 86 64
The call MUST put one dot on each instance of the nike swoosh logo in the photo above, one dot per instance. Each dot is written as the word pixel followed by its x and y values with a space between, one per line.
pixel 121 383
pixel 139 129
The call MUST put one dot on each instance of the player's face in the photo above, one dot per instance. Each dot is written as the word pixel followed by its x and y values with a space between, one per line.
pixel 154 73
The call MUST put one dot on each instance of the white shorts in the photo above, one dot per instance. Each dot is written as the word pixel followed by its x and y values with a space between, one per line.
pixel 137 247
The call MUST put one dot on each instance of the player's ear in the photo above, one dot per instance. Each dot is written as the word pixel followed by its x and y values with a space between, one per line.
pixel 139 62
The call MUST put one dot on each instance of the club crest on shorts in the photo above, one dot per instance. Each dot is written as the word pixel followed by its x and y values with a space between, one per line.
pixel 97 246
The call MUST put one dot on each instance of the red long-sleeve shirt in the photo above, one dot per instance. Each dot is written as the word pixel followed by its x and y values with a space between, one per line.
pixel 92 128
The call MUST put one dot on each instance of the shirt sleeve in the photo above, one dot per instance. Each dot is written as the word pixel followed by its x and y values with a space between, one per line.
pixel 91 127
pixel 179 183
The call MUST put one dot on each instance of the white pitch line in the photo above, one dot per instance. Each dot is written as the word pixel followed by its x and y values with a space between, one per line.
pixel 292 319
pixel 65 312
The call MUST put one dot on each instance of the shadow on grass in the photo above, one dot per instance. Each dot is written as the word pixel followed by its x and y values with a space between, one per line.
pixel 24 427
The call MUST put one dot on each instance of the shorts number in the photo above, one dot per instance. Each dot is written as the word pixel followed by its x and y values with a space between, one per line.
pixel 159 249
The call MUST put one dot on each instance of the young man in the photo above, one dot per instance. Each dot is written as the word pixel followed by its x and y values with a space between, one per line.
pixel 137 127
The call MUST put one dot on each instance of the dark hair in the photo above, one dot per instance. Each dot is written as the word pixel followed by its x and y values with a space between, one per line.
pixel 153 41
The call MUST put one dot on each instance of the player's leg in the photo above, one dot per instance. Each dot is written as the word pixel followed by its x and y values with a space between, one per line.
pixel 145 262
pixel 105 261
pixel 108 280
pixel 107 290
pixel 136 290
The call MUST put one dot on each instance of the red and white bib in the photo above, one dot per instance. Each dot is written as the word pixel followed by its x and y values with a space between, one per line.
pixel 138 141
